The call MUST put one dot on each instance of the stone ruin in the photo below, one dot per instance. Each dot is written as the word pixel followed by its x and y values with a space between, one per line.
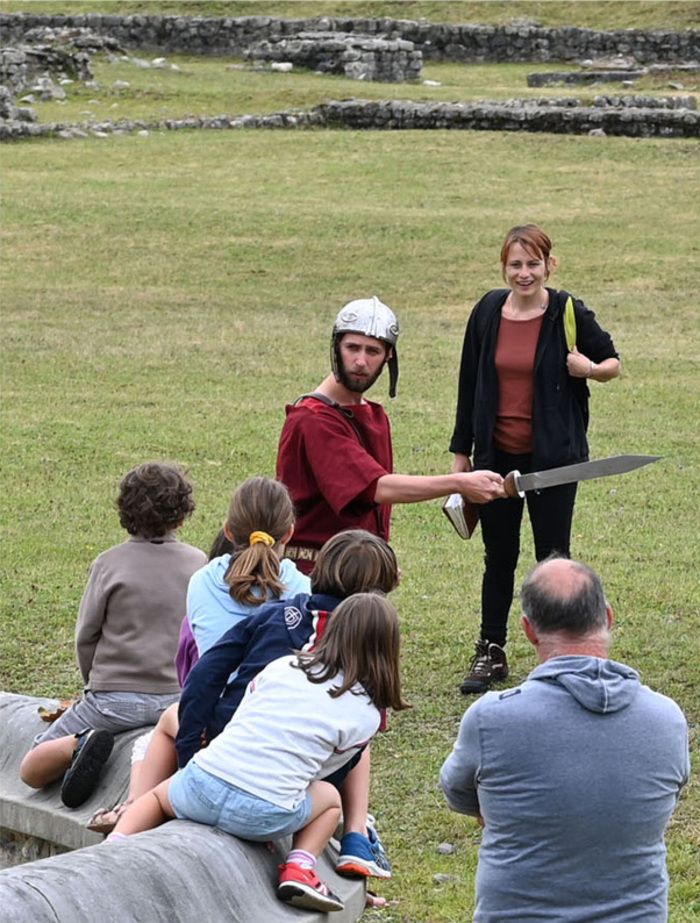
pixel 76 37
pixel 584 77
pixel 359 57
pixel 52 868
pixel 378 50
pixel 21 65
pixel 616 70
pixel 37 67
pixel 9 112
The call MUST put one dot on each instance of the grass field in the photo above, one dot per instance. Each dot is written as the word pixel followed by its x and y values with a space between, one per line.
pixel 166 296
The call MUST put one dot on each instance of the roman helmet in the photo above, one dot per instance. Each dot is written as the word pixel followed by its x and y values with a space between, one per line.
pixel 372 318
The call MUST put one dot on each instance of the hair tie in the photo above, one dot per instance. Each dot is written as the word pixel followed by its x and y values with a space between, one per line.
pixel 258 537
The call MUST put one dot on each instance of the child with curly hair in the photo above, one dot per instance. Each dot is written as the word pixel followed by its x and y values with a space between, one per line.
pixel 126 634
pixel 246 570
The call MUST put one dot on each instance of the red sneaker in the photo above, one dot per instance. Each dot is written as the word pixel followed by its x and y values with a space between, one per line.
pixel 303 888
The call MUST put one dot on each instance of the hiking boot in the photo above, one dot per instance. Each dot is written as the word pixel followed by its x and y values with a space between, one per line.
pixel 83 774
pixel 363 856
pixel 302 887
pixel 489 665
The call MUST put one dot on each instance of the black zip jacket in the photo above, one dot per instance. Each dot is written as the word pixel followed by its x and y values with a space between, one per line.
pixel 560 402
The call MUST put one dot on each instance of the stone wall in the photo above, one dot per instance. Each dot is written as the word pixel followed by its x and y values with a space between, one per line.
pixel 359 57
pixel 11 112
pixel 397 115
pixel 19 66
pixel 177 873
pixel 13 69
pixel 401 115
pixel 469 42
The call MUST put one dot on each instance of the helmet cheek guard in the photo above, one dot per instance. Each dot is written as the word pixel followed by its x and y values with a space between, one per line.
pixel 369 317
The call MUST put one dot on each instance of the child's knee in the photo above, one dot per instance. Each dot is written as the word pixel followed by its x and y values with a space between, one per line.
pixel 29 770
pixel 326 796
pixel 162 795
pixel 168 722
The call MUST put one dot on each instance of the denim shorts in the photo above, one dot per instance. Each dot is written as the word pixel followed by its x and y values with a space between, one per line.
pixel 195 794
pixel 108 711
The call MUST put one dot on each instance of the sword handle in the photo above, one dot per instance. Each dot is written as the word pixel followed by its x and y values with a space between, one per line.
pixel 510 485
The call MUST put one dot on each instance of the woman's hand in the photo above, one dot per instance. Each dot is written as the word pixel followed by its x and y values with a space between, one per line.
pixel 461 463
pixel 578 365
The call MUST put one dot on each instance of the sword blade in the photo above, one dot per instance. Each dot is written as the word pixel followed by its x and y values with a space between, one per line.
pixel 584 471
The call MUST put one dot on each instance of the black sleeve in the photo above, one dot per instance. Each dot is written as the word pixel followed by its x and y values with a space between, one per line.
pixel 477 326
pixel 463 434
pixel 591 339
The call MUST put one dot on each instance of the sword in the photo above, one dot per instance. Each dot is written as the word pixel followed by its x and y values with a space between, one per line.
pixel 516 484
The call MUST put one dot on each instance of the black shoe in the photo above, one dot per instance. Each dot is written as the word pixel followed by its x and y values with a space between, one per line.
pixel 83 774
pixel 489 665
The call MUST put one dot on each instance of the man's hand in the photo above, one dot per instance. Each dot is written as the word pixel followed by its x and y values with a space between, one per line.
pixel 481 486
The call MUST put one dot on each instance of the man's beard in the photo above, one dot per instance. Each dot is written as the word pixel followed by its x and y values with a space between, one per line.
pixel 357 386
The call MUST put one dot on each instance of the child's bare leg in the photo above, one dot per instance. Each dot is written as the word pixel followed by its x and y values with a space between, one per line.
pixel 47 761
pixel 325 814
pixel 134 781
pixel 361 851
pixel 354 793
pixel 299 884
pixel 148 811
pixel 160 761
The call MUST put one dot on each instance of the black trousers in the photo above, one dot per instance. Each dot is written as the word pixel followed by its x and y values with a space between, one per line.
pixel 551 513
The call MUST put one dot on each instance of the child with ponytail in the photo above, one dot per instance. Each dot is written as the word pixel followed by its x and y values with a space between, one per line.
pixel 230 587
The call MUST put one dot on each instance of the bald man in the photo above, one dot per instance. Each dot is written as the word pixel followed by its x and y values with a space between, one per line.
pixel 574 774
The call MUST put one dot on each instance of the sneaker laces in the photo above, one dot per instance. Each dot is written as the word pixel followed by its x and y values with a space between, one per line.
pixel 481 662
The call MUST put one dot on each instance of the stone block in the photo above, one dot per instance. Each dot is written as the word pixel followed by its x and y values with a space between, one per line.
pixel 178 873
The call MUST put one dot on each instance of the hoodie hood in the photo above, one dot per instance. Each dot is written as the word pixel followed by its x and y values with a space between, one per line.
pixel 214 572
pixel 602 686
pixel 213 575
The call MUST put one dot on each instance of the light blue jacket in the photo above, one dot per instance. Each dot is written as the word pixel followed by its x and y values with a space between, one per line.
pixel 576 773
pixel 211 610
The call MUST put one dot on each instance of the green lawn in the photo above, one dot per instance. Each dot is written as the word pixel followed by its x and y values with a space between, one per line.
pixel 165 296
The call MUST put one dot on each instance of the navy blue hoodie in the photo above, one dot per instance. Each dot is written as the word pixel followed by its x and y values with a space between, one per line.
pixel 277 628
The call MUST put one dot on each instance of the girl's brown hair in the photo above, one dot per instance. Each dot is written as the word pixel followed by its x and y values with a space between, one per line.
pixel 361 642
pixel 533 239
pixel 354 561
pixel 259 505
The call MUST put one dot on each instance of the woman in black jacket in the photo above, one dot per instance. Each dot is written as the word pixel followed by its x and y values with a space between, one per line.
pixel 523 404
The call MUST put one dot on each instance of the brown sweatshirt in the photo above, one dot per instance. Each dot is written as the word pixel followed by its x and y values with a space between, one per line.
pixel 129 620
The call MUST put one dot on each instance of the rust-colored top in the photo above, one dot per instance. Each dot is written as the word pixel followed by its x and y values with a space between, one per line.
pixel 515 363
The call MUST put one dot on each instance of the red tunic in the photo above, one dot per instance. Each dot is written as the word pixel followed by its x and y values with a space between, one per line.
pixel 331 472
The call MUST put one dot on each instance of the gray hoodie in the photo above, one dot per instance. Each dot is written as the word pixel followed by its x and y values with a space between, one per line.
pixel 576 773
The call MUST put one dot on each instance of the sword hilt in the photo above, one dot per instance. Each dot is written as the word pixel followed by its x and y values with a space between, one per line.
pixel 510 485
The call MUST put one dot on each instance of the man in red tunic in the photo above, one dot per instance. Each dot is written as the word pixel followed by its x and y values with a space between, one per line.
pixel 335 453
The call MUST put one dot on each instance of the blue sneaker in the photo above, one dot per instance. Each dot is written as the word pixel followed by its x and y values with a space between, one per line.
pixel 362 856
